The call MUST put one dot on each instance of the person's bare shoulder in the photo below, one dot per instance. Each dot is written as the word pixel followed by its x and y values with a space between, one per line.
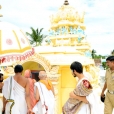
pixel 24 81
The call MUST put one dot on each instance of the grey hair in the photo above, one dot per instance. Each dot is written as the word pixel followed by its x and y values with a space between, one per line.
pixel 42 75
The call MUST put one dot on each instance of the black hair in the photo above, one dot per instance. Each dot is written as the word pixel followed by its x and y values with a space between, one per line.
pixel 110 58
pixel 77 66
pixel 1 77
pixel 36 76
pixel 18 69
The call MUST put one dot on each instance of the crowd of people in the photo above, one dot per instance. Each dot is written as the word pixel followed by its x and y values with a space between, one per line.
pixel 24 95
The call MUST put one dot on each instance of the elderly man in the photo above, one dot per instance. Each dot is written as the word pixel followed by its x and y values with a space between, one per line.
pixel 44 94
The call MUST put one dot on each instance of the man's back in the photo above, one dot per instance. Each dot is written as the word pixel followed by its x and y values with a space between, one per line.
pixel 48 85
pixel 46 98
pixel 21 80
pixel 15 91
pixel 16 88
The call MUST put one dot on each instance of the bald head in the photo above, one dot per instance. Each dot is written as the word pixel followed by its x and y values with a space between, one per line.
pixel 42 75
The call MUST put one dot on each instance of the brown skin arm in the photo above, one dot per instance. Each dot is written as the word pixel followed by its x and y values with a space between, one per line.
pixel 103 90
pixel 27 95
pixel 1 85
pixel 4 103
pixel 80 98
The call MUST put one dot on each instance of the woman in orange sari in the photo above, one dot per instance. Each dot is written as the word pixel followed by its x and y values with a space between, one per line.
pixel 27 74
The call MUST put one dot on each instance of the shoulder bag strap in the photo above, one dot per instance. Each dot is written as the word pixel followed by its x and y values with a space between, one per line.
pixel 43 97
pixel 10 87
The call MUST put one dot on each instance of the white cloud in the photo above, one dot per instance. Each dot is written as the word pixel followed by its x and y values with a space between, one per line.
pixel 35 13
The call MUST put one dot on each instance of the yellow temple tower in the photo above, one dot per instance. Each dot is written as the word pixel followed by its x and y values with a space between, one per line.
pixel 65 44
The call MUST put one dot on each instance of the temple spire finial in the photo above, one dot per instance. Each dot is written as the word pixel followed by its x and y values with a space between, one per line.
pixel 66 2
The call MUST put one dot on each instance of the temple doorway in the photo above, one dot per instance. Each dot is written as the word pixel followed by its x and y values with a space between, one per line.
pixel 34 69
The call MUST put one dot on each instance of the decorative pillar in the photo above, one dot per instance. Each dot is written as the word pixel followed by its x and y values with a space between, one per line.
pixel 94 73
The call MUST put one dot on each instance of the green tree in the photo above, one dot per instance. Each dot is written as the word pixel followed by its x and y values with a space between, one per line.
pixel 104 65
pixel 112 52
pixel 93 53
pixel 36 36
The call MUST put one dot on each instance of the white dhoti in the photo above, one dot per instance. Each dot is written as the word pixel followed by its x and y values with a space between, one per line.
pixel 84 109
pixel 17 94
pixel 95 103
pixel 93 107
pixel 45 96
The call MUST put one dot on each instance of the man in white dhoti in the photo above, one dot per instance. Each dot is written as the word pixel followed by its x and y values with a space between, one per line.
pixel 44 93
pixel 16 93
pixel 82 99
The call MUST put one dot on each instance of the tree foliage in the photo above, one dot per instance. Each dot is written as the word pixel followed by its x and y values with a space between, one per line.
pixel 112 52
pixel 36 36
pixel 93 53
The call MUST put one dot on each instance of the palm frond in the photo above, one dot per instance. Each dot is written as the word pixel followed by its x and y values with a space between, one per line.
pixel 36 36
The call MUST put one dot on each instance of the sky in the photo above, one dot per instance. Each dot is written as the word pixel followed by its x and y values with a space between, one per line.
pixel 99 18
